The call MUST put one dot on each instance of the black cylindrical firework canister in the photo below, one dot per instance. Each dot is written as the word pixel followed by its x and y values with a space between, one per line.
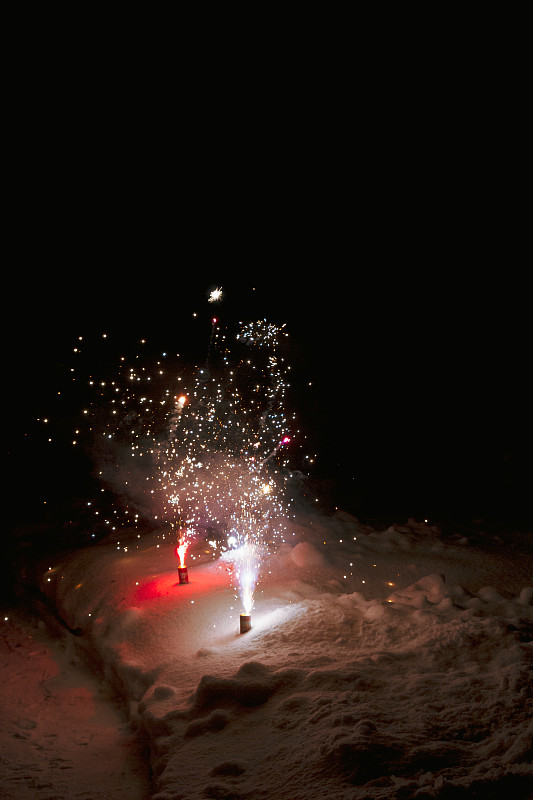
pixel 183 574
pixel 245 622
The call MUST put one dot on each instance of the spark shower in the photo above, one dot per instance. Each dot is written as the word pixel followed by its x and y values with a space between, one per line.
pixel 201 452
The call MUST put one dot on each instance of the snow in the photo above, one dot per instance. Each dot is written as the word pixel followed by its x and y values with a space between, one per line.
pixel 61 733
pixel 381 664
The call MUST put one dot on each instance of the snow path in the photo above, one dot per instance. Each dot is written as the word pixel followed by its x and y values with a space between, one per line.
pixel 381 664
pixel 61 735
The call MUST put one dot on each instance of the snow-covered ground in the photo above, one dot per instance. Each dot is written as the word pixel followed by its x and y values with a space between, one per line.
pixel 62 735
pixel 382 663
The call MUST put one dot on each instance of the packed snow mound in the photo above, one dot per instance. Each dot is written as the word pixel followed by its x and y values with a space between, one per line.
pixel 306 555
pixel 381 664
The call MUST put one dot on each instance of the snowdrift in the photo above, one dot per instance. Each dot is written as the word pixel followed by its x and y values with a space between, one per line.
pixel 381 664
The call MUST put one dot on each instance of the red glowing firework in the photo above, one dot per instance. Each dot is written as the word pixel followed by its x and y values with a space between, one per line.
pixel 181 549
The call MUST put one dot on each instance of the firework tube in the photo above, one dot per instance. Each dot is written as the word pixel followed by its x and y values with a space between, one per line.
pixel 245 622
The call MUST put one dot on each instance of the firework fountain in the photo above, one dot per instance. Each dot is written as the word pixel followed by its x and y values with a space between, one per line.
pixel 202 451
pixel 181 550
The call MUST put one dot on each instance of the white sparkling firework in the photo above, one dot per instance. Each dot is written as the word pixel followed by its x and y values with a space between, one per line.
pixel 215 295
pixel 203 449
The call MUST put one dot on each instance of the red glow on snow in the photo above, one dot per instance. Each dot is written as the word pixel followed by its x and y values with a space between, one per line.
pixel 161 586
pixel 166 587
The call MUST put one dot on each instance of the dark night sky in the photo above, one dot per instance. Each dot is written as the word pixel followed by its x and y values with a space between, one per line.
pixel 418 405
pixel 393 251
pixel 376 202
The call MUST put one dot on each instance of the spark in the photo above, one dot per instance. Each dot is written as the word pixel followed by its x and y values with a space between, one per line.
pixel 247 564
pixel 215 295
pixel 181 550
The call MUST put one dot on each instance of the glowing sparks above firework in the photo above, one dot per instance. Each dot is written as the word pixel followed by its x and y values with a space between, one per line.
pixel 203 445
pixel 181 551
pixel 247 564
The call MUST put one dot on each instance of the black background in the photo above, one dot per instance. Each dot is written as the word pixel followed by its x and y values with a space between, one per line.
pixel 375 205
pixel 409 385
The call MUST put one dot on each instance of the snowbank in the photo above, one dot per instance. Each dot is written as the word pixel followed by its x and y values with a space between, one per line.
pixel 61 733
pixel 380 664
